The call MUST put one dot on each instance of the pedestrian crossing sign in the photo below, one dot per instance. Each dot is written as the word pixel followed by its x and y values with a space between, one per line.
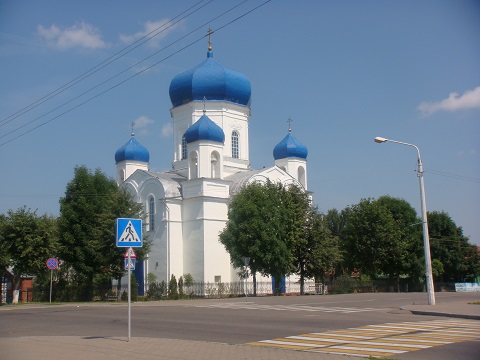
pixel 132 264
pixel 129 232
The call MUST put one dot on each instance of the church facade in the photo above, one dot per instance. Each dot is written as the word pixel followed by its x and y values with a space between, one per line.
pixel 186 208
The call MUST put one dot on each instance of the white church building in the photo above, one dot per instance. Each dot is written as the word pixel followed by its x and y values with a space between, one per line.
pixel 186 208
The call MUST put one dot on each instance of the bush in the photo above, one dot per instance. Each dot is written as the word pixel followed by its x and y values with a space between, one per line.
pixel 180 287
pixel 343 284
pixel 157 291
pixel 172 288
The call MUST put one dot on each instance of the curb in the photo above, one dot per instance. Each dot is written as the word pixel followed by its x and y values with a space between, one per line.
pixel 462 316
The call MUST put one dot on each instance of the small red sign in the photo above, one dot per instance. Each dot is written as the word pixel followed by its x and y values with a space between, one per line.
pixel 132 253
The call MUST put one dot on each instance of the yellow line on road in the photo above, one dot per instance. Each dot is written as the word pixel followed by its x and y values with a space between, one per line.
pixel 381 339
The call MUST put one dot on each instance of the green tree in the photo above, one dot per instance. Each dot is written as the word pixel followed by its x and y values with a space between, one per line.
pixel 173 288
pixel 324 250
pixel 335 221
pixel 410 232
pixel 266 222
pixel 437 268
pixel 451 248
pixel 180 287
pixel 88 211
pixel 4 248
pixel 372 240
pixel 188 280
pixel 28 240
pixel 300 219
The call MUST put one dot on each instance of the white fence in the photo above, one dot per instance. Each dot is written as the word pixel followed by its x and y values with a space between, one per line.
pixel 467 287
pixel 234 289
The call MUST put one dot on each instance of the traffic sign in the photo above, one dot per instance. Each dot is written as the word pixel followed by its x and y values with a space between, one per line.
pixel 129 232
pixel 132 264
pixel 52 263
pixel 132 253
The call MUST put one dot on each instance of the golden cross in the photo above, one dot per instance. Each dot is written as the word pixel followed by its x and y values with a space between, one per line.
pixel 210 32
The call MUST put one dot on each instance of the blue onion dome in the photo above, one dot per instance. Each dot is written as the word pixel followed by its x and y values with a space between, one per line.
pixel 290 147
pixel 212 81
pixel 204 129
pixel 132 150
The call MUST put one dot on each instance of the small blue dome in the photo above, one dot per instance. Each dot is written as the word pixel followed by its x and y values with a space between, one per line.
pixel 290 147
pixel 212 81
pixel 132 150
pixel 204 129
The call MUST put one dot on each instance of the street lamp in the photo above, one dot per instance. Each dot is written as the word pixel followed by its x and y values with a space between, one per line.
pixel 426 239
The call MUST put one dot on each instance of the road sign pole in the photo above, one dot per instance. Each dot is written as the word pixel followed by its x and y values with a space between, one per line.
pixel 129 299
pixel 51 281
pixel 52 263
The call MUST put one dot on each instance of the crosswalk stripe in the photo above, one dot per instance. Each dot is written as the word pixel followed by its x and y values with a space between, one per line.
pixel 376 342
pixel 354 352
pixel 295 308
pixel 381 339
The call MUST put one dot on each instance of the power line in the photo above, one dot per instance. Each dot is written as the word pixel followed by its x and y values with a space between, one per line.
pixel 102 64
pixel 452 176
pixel 111 78
pixel 129 78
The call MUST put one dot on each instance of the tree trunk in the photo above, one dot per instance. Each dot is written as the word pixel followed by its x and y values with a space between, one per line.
pixel 17 281
pixel 302 279
pixel 278 281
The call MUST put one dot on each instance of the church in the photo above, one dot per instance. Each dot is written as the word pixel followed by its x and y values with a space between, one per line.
pixel 186 208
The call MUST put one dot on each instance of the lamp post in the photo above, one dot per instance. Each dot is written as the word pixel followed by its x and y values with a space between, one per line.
pixel 426 239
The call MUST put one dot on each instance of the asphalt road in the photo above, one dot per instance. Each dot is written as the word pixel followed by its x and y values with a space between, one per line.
pixel 232 321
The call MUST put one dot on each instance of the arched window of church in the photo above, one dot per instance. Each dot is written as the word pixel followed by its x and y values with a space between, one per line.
pixel 193 166
pixel 235 149
pixel 184 148
pixel 215 165
pixel 121 176
pixel 151 214
pixel 301 176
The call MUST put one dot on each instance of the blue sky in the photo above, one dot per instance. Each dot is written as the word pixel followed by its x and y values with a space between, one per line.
pixel 344 71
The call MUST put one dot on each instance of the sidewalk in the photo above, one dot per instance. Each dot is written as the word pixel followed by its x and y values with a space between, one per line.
pixel 457 309
pixel 100 348
pixel 84 348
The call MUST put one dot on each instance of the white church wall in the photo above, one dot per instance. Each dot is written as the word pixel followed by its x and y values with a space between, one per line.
pixel 157 256
pixel 128 167
pixel 296 167
pixel 193 254
pixel 175 244
pixel 216 189
pixel 217 260
pixel 236 121
pixel 206 187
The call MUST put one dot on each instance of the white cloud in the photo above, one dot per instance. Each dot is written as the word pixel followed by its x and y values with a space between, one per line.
pixel 471 152
pixel 167 129
pixel 142 121
pixel 469 100
pixel 141 124
pixel 151 26
pixel 81 35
